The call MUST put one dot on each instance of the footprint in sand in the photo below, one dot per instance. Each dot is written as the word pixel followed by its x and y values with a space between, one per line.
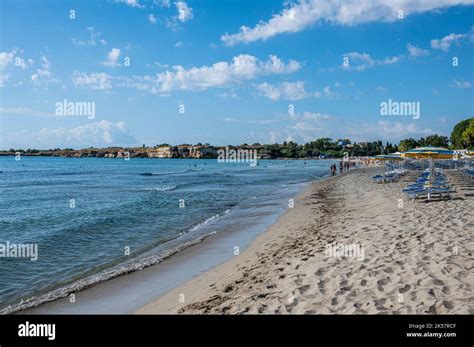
pixel 405 289
pixel 304 289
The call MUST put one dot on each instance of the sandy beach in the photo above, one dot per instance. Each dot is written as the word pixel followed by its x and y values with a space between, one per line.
pixel 406 258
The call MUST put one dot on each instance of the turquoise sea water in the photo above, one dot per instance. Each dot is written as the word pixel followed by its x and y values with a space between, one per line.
pixel 148 206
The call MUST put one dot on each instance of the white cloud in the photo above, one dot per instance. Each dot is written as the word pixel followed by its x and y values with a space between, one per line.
pixel 327 91
pixel 310 116
pixel 92 41
pixel 160 65
pixel 305 13
pixel 132 3
pixel 362 61
pixel 242 67
pixel 6 59
pixel 43 76
pixel 23 111
pixel 98 134
pixel 285 90
pixel 415 51
pixel 95 81
pixel 385 130
pixel 4 77
pixel 151 18
pixel 185 12
pixel 9 60
pixel 178 44
pixel 461 84
pixel 112 58
pixel 445 43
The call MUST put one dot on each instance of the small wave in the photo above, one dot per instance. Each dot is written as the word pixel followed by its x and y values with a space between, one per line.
pixel 103 276
pixel 168 172
pixel 208 220
pixel 156 189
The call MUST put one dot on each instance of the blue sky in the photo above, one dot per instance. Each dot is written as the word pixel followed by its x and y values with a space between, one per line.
pixel 236 83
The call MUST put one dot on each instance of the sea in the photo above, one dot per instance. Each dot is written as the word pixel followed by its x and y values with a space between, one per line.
pixel 93 219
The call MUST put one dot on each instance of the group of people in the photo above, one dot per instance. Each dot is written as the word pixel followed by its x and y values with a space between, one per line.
pixel 343 167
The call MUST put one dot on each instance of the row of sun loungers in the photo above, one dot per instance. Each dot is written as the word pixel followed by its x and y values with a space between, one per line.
pixel 439 186
pixel 389 176
pixel 468 172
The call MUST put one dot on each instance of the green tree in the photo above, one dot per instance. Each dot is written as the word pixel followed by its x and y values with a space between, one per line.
pixel 468 135
pixel 457 139
pixel 407 144
pixel 436 140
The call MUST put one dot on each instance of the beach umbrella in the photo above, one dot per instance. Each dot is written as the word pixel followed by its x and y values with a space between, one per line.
pixel 431 153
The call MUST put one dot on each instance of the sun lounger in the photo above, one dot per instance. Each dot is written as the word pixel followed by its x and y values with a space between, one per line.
pixel 428 192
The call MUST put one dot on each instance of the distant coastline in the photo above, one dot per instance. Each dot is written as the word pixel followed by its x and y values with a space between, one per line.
pixel 319 149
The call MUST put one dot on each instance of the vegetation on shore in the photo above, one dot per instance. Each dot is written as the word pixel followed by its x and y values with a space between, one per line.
pixel 462 136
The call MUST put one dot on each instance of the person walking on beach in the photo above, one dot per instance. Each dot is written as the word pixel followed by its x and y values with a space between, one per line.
pixel 341 167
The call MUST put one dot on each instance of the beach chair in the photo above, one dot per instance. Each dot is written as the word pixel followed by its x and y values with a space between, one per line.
pixel 428 192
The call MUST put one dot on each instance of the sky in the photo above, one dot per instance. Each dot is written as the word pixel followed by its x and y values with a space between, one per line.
pixel 231 72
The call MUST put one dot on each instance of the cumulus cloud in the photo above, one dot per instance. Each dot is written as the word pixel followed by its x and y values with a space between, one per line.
pixel 95 81
pixel 112 58
pixel 362 61
pixel 9 60
pixel 6 58
pixel 445 43
pixel 185 12
pixel 132 3
pixel 243 67
pixel 97 134
pixel 285 90
pixel 304 13
pixel 415 51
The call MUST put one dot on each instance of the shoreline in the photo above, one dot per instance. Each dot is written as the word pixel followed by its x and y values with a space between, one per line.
pixel 416 261
pixel 169 302
pixel 92 292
